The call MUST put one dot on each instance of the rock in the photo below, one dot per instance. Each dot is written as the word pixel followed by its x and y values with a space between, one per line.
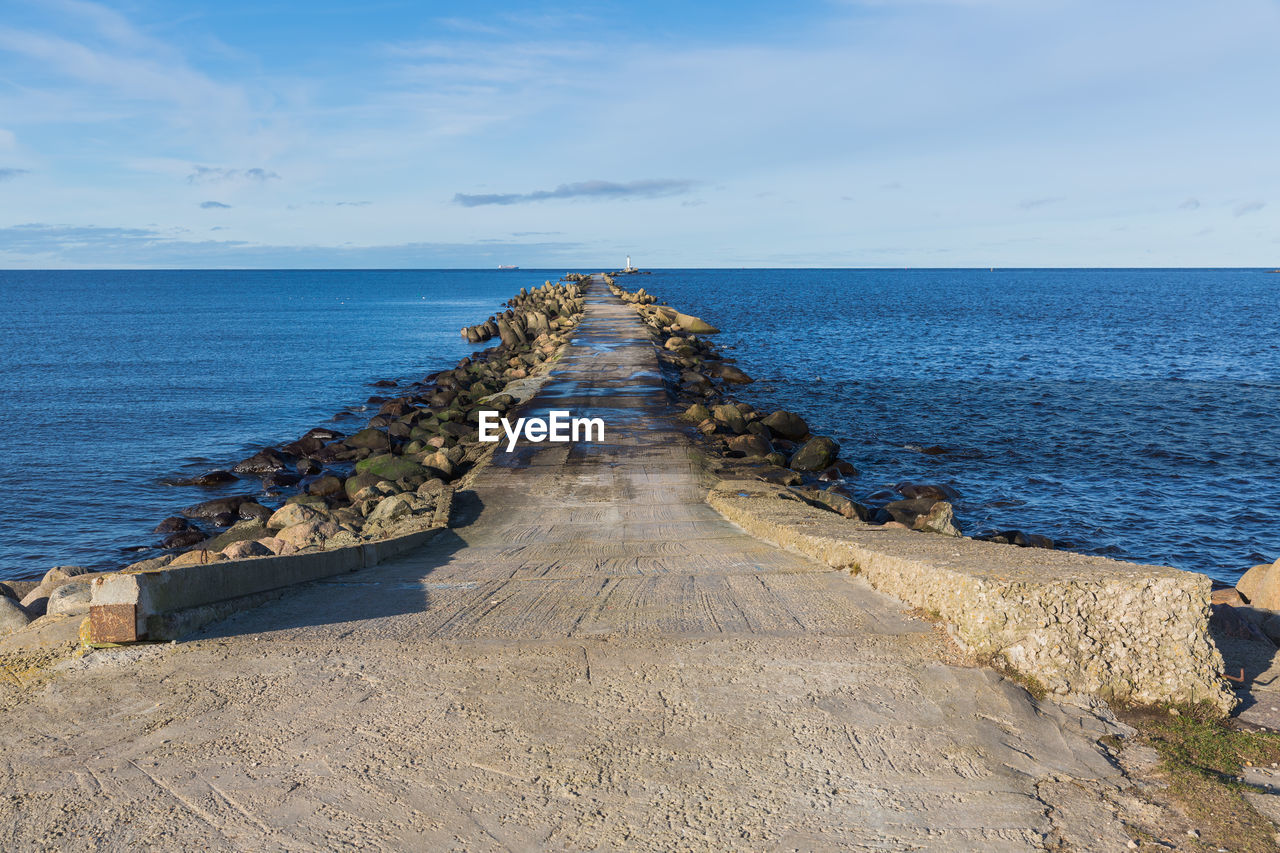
pixel 787 425
pixel 280 479
pixel 354 485
pixel 815 454
pixel 71 599
pixel 370 439
pixel 13 617
pixel 1271 627
pixel 906 512
pixel 307 533
pixel 385 383
pixel 196 558
pixel 918 490
pixel 325 486
pixel 939 519
pixel 697 413
pixel 732 375
pixel 263 462
pixel 894 525
pixel 1230 595
pixel 246 550
pixel 1261 586
pixel 184 539
pixel 218 506
pixel 173 524
pixel 388 466
pixel 7 591
pixel 391 509
pixel 150 564
pixel 836 502
pixel 59 575
pixel 695 325
pixel 291 515
pixel 750 445
pixel 276 546
pixel 210 478
pixel 730 417
pixel 241 531
pixel 431 488
pixel 254 512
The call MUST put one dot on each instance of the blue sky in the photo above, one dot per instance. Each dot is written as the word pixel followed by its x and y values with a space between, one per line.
pixel 880 133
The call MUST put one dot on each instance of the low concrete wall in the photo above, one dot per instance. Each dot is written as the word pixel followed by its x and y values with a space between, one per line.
pixel 1077 624
pixel 166 603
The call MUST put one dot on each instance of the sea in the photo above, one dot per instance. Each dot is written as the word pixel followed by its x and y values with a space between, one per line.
pixel 1133 413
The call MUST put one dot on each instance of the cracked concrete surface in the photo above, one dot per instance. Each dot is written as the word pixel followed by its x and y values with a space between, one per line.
pixel 592 660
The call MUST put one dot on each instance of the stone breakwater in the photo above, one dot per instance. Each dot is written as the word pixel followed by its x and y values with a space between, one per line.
pixel 1072 623
pixel 383 482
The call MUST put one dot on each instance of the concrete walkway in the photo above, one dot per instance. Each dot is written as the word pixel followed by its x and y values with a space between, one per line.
pixel 594 660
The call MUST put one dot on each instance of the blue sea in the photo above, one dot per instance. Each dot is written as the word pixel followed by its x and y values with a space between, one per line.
pixel 1132 413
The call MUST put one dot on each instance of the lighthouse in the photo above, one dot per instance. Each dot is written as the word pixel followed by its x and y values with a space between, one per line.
pixel 628 266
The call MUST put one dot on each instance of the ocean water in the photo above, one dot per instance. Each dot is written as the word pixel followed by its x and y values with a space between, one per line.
pixel 1129 413
pixel 117 381
pixel 1134 413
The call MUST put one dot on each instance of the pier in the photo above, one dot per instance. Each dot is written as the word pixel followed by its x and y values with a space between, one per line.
pixel 590 657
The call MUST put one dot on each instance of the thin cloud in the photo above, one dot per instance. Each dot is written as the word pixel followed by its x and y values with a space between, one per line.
pixel 1248 207
pixel 214 205
pixel 10 174
pixel 218 175
pixel 584 189
pixel 1190 204
pixel 36 244
pixel 1033 203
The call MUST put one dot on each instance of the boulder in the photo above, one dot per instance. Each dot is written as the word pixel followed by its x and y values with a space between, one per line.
pixel 731 417
pixel 695 325
pixel 291 515
pixel 307 533
pixel 172 524
pixel 370 439
pixel 815 454
pixel 246 550
pixel 787 425
pixel 697 413
pixel 264 462
pixel 13 616
pixel 388 466
pixel 354 485
pixel 907 511
pixel 254 512
pixel 149 564
pixel 241 531
pixel 391 509
pixel 1261 586
pixel 750 445
pixel 922 490
pixel 325 486
pixel 218 506
pixel 939 519
pixel 209 478
pixel 71 599
pixel 280 479
pixel 1230 595
pixel 732 375
pixel 196 558
pixel 184 539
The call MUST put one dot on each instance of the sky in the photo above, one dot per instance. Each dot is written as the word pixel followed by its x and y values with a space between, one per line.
pixel 848 133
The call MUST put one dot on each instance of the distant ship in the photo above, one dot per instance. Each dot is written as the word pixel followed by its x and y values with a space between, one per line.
pixel 508 267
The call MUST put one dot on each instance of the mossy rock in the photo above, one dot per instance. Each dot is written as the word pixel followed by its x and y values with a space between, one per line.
pixel 388 466
pixel 353 485
pixel 370 439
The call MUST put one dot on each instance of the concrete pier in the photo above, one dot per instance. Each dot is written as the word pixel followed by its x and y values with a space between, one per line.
pixel 592 658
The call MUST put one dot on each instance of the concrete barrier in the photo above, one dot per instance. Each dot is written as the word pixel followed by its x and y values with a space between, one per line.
pixel 166 603
pixel 1076 624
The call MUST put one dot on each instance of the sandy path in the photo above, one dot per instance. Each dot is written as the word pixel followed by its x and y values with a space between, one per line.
pixel 596 660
